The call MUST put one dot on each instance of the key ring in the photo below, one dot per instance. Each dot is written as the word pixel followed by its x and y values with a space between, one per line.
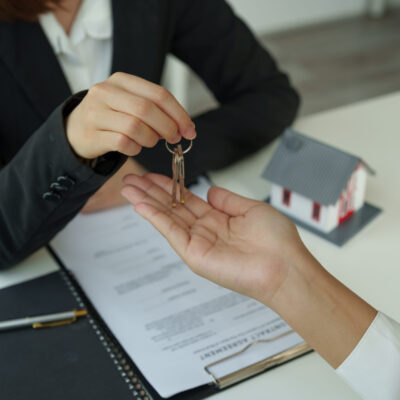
pixel 183 152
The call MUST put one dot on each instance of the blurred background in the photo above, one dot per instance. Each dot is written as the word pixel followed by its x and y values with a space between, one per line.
pixel 336 52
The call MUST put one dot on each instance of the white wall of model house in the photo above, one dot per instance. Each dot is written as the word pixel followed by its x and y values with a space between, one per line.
pixel 301 207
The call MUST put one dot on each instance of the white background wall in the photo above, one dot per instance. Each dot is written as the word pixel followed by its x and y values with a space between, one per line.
pixel 265 16
pixel 273 15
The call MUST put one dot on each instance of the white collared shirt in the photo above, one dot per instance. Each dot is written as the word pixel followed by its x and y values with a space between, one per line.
pixel 373 368
pixel 85 55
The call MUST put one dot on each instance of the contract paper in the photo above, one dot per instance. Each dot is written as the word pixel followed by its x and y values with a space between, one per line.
pixel 171 322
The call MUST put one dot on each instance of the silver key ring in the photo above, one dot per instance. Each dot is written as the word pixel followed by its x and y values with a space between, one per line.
pixel 183 152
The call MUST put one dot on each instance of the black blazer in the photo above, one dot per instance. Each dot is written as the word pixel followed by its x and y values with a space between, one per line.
pixel 42 183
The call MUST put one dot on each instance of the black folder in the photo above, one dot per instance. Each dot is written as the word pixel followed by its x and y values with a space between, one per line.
pixel 82 360
pixel 77 361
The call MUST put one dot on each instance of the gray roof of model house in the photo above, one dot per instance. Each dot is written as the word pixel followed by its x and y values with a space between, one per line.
pixel 311 168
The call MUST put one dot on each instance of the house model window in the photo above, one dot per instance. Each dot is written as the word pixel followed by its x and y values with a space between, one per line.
pixel 286 197
pixel 317 184
pixel 316 212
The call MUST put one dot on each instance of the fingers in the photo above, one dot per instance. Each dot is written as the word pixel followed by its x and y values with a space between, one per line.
pixel 195 210
pixel 114 141
pixel 159 96
pixel 135 109
pixel 156 193
pixel 229 203
pixel 194 204
pixel 141 110
pixel 138 196
pixel 177 236
pixel 127 125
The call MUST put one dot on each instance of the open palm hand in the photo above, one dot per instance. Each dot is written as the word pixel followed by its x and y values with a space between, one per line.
pixel 242 244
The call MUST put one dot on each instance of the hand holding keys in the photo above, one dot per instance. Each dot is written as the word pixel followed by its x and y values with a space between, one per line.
pixel 178 171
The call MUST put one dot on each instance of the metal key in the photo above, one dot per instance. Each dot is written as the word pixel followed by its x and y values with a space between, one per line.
pixel 178 172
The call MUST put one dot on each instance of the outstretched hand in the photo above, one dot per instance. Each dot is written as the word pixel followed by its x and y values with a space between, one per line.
pixel 249 247
pixel 241 244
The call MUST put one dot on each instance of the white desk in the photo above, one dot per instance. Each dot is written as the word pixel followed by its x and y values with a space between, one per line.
pixel 369 264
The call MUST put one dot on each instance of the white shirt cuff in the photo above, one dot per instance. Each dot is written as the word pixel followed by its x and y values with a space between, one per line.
pixel 373 368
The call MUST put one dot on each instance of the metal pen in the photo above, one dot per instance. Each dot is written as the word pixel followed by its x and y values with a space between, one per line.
pixel 43 321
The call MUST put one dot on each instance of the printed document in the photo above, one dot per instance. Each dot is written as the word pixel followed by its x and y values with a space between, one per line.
pixel 171 322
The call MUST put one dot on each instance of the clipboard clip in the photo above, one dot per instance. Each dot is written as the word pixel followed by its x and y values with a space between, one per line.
pixel 246 372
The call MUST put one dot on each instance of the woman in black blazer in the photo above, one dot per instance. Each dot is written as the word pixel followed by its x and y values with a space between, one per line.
pixel 46 175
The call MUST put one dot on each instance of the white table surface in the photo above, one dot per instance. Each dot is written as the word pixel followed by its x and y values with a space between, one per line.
pixel 369 264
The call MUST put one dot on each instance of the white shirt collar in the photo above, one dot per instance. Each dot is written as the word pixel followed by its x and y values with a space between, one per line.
pixel 94 20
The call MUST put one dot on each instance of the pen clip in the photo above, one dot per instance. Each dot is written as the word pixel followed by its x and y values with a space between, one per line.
pixel 39 325
pixel 78 313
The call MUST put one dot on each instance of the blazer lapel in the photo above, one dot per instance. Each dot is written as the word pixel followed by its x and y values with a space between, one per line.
pixel 31 60
pixel 136 38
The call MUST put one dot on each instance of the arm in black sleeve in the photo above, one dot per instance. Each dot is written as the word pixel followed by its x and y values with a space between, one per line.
pixel 44 186
pixel 256 100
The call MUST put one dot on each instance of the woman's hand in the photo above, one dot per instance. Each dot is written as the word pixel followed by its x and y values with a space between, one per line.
pixel 124 114
pixel 242 244
pixel 109 195
pixel 249 247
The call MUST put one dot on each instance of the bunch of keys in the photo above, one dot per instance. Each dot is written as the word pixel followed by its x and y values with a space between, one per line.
pixel 178 172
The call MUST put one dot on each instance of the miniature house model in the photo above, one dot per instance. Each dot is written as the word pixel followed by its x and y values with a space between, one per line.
pixel 316 183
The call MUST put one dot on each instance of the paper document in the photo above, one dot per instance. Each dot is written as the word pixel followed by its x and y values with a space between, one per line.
pixel 171 322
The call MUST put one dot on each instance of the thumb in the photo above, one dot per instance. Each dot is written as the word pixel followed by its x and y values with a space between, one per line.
pixel 228 202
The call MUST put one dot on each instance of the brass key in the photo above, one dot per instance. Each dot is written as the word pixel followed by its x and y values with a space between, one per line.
pixel 178 172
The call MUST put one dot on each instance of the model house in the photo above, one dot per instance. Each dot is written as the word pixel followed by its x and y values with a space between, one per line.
pixel 316 183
